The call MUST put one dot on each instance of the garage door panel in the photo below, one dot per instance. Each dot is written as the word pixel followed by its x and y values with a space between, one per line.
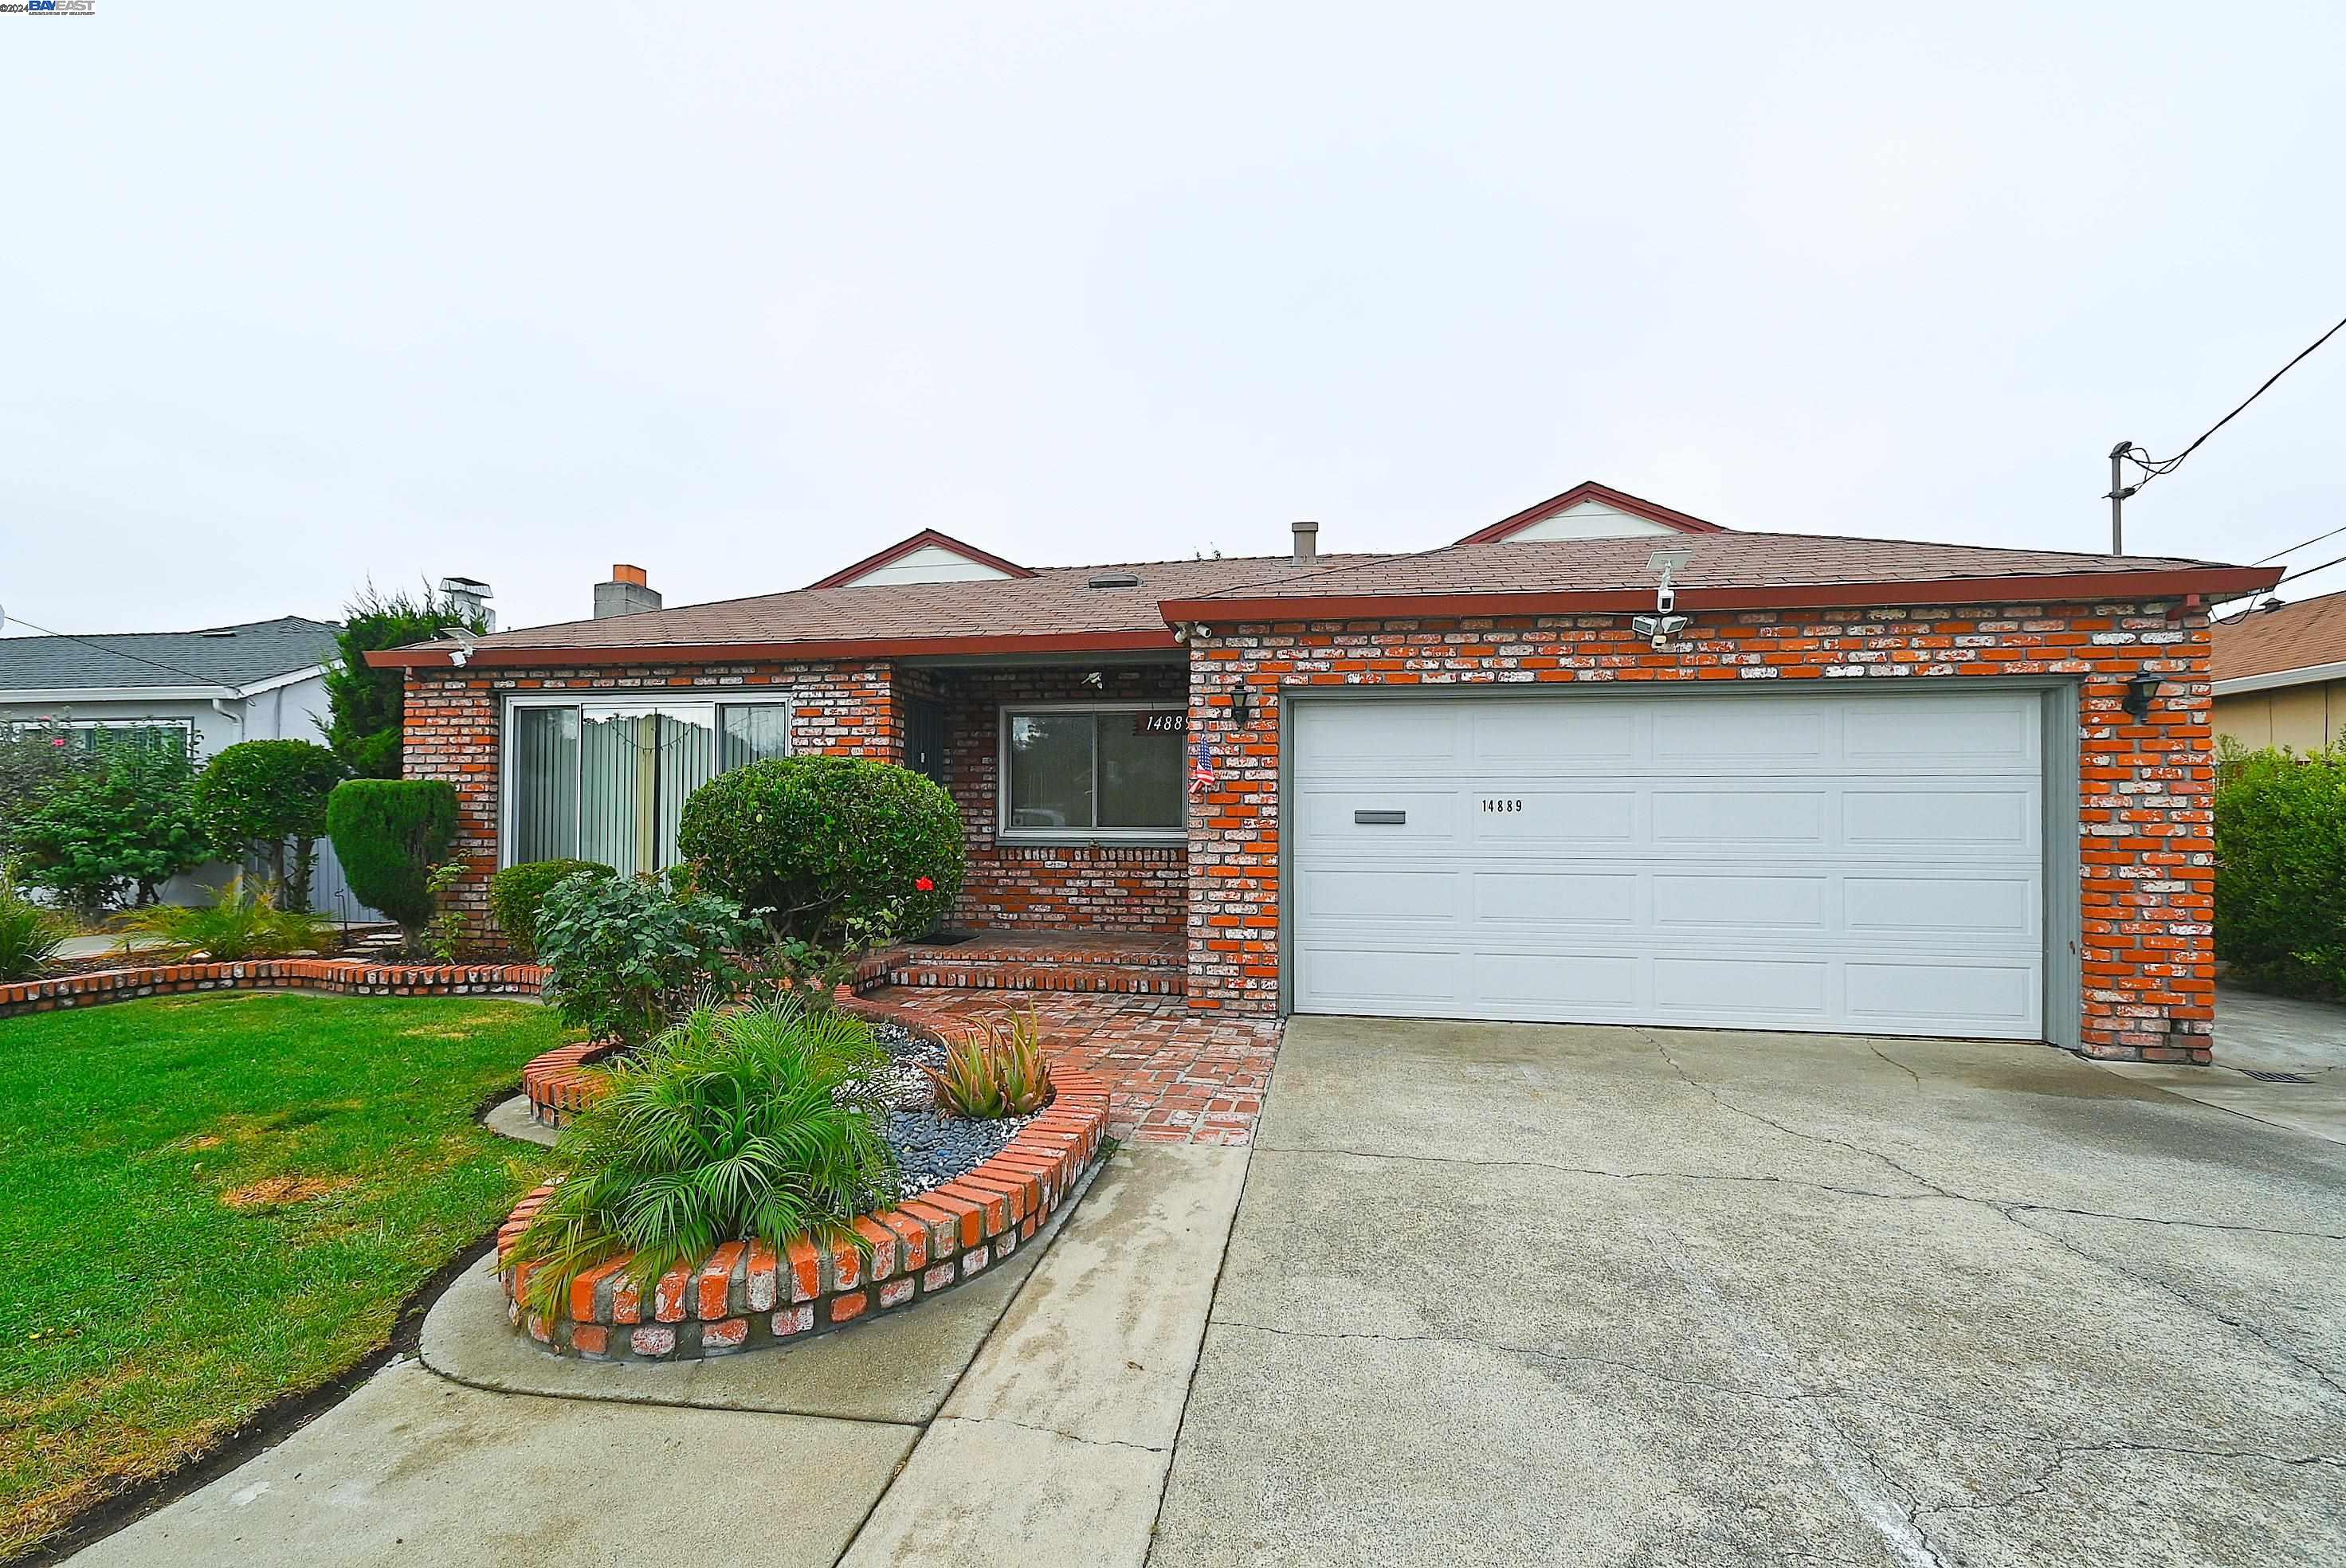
pixel 2003 816
pixel 1687 729
pixel 1783 988
pixel 1554 738
pixel 1725 815
pixel 1974 734
pixel 1899 905
pixel 1867 863
pixel 1580 898
pixel 1380 894
pixel 1777 902
pixel 1549 818
pixel 1546 987
pixel 1951 998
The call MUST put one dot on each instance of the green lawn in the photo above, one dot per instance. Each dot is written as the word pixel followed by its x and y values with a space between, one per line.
pixel 207 1202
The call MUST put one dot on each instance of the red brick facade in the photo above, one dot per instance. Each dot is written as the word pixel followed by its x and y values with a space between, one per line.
pixel 2145 817
pixel 861 710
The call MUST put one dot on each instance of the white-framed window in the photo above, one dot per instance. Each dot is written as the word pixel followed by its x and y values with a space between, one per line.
pixel 605 779
pixel 1105 770
pixel 81 736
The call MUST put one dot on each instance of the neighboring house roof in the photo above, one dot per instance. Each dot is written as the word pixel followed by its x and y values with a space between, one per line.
pixel 1587 499
pixel 1061 609
pixel 2291 646
pixel 926 544
pixel 218 662
pixel 1725 570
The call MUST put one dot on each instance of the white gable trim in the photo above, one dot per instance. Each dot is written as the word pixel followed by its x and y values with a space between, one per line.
pixel 929 564
pixel 1590 520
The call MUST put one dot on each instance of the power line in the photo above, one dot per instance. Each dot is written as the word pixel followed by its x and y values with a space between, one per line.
pixel 2286 577
pixel 2301 544
pixel 2158 467
pixel 118 653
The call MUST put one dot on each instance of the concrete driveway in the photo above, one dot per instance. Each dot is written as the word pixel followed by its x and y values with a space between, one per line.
pixel 1505 1294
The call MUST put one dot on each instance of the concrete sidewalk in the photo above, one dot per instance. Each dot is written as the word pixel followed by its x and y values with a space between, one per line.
pixel 2257 1037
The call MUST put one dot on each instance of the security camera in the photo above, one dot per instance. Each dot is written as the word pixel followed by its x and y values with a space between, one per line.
pixel 1657 629
pixel 466 642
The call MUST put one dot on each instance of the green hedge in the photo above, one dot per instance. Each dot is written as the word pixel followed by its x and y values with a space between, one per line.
pixel 259 799
pixel 828 847
pixel 389 833
pixel 2281 868
pixel 515 894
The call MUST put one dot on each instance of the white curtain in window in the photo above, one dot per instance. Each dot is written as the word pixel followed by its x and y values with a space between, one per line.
pixel 609 785
pixel 688 760
pixel 545 783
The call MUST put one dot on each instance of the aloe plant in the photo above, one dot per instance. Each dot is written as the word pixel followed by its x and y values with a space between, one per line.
pixel 241 924
pixel 996 1069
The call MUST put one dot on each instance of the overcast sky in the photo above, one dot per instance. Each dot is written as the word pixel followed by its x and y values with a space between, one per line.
pixel 295 294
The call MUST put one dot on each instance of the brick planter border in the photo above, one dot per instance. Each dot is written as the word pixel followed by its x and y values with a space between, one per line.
pixel 747 1295
pixel 341 976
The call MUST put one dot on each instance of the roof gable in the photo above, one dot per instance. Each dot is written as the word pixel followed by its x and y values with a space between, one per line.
pixel 1592 511
pixel 928 556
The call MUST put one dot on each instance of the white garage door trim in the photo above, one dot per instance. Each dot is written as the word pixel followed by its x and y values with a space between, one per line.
pixel 1881 999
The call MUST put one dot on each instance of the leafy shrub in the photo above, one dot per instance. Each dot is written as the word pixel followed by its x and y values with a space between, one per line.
pixel 367 707
pixel 444 937
pixel 388 834
pixel 242 923
pixel 2281 868
pixel 124 823
pixel 34 759
pixel 29 935
pixel 515 894
pixel 261 799
pixel 750 1122
pixel 995 1070
pixel 836 852
pixel 628 955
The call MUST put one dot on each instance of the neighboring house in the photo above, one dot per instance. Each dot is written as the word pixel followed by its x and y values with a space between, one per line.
pixel 208 689
pixel 2280 676
pixel 1864 786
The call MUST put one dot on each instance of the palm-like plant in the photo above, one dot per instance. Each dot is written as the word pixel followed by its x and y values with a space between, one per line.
pixel 241 924
pixel 757 1121
pixel 29 934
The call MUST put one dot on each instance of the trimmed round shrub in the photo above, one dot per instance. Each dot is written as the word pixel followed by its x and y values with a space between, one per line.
pixel 2281 868
pixel 389 833
pixel 258 796
pixel 831 849
pixel 515 894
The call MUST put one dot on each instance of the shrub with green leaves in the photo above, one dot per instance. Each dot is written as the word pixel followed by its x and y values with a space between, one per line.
pixel 368 706
pixel 756 1122
pixel 125 822
pixel 628 955
pixel 265 800
pixel 517 892
pixel 389 833
pixel 29 935
pixel 243 922
pixel 835 852
pixel 2281 868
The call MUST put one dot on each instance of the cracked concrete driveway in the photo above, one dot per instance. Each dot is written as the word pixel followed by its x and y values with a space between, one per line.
pixel 1503 1294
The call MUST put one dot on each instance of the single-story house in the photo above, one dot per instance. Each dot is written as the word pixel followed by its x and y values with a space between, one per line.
pixel 2279 675
pixel 264 680
pixel 1598 761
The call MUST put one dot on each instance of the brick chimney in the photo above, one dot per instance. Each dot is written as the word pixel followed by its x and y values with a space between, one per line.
pixel 1307 543
pixel 628 593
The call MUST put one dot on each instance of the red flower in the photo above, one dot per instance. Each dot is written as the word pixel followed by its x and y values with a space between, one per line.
pixel 925 885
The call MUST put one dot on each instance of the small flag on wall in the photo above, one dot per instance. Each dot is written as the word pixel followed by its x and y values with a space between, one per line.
pixel 1201 777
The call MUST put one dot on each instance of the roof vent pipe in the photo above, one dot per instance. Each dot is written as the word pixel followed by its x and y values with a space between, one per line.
pixel 1307 543
pixel 469 598
pixel 628 593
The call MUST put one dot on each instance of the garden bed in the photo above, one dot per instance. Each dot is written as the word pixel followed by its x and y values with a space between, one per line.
pixel 746 1294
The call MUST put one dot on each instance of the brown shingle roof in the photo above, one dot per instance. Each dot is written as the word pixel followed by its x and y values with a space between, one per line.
pixel 1725 569
pixel 2302 636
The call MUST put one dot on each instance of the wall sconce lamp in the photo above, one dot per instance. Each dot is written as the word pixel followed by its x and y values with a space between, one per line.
pixel 1240 707
pixel 2140 692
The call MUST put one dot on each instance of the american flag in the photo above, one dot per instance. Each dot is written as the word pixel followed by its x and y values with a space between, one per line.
pixel 1201 777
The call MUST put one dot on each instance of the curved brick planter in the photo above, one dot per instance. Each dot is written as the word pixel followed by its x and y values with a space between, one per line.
pixel 342 976
pixel 746 1294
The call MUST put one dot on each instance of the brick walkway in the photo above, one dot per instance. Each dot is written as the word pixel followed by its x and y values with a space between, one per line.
pixel 1175 1076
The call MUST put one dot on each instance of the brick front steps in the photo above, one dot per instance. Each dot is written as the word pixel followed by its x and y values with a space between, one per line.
pixel 1136 965
pixel 748 1295
pixel 342 976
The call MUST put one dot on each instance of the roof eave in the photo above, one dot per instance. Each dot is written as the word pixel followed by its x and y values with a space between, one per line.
pixel 2274 679
pixel 2210 581
pixel 509 655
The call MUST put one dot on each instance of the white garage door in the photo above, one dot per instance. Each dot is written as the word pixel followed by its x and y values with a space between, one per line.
pixel 1866 863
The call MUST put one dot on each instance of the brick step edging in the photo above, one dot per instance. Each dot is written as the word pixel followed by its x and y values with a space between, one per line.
pixel 1003 975
pixel 750 1295
pixel 341 976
